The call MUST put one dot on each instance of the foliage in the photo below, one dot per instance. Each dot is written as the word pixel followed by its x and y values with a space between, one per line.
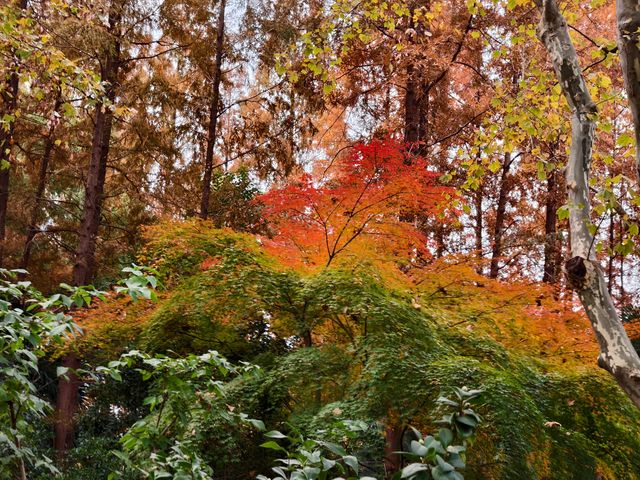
pixel 185 393
pixel 435 457
pixel 311 458
pixel 30 322
pixel 443 456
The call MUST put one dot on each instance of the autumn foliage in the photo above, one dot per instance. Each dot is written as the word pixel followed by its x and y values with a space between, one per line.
pixel 369 198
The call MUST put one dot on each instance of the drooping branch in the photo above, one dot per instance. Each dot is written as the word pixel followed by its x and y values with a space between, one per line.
pixel 584 274
pixel 628 19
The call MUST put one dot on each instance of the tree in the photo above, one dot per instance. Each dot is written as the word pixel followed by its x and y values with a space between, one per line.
pixel 356 202
pixel 617 354
pixel 110 64
pixel 213 114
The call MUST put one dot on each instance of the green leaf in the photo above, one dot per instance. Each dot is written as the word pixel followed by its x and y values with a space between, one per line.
pixel 352 462
pixel 333 448
pixel 563 212
pixel 272 445
pixel 418 448
pixel 413 469
pixel 446 437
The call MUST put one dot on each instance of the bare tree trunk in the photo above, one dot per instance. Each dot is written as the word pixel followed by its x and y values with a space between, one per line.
pixel 498 229
pixel 628 19
pixel 392 444
pixel 66 406
pixel 584 274
pixel 34 219
pixel 551 229
pixel 9 98
pixel 213 115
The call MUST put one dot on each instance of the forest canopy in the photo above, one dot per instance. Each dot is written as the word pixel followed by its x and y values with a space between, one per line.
pixel 322 239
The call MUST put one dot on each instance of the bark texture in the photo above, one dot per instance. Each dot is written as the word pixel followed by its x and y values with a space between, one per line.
pixel 628 20
pixel 584 274
pixel 212 128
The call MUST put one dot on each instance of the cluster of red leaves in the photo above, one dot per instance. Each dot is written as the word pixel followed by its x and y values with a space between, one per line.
pixel 367 199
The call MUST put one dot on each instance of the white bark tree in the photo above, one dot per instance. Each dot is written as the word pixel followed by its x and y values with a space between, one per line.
pixel 628 20
pixel 584 274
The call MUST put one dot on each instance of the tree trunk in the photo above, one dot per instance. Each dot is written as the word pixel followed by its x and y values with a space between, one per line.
pixel 498 229
pixel 392 444
pixel 411 107
pixel 34 218
pixel 66 406
pixel 551 229
pixel 84 267
pixel 478 227
pixel 584 274
pixel 213 115
pixel 9 106
pixel 412 99
pixel 628 19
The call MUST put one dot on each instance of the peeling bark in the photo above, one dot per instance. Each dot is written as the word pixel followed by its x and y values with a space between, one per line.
pixel 628 20
pixel 584 274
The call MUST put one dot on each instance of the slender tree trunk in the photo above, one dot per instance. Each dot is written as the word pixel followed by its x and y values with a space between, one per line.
pixel 551 229
pixel 213 115
pixel 584 274
pixel 628 20
pixel 498 229
pixel 412 98
pixel 13 419
pixel 9 106
pixel 612 256
pixel 478 227
pixel 34 218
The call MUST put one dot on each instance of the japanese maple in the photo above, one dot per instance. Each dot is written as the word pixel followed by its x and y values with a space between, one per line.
pixel 368 198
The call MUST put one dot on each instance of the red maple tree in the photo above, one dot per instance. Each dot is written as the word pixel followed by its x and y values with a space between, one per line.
pixel 365 199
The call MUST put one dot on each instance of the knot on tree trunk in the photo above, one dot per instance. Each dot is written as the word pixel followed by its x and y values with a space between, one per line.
pixel 576 272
